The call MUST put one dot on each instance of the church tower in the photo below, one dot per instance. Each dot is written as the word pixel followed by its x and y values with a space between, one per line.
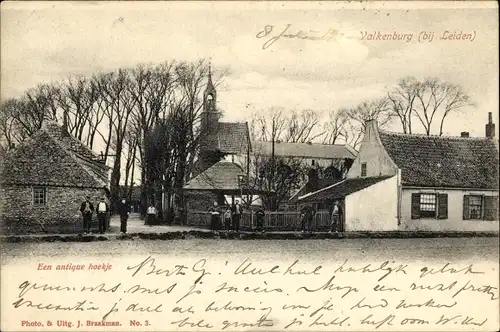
pixel 209 116
pixel 209 121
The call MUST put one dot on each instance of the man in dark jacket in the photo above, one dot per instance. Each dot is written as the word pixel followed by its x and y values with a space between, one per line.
pixel 123 211
pixel 87 208
pixel 260 215
pixel 307 216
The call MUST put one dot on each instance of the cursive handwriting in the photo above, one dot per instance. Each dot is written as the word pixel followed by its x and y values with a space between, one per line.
pixel 425 271
pixel 485 289
pixel 330 287
pixel 403 304
pixel 384 267
pixel 79 306
pixel 249 294
pixel 149 262
pixel 267 32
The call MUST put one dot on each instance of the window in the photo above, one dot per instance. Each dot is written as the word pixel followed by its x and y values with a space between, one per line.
pixel 363 169
pixel 479 207
pixel 475 207
pixel 312 162
pixel 39 195
pixel 429 205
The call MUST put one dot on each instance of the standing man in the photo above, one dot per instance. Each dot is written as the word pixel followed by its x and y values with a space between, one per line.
pixel 237 216
pixel 87 208
pixel 124 211
pixel 303 218
pixel 260 214
pixel 151 214
pixel 102 214
pixel 336 216
pixel 227 219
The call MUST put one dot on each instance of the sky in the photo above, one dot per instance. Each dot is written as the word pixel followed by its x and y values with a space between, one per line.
pixel 44 42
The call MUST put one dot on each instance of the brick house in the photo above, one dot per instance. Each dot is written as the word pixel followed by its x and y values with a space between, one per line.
pixel 419 182
pixel 45 179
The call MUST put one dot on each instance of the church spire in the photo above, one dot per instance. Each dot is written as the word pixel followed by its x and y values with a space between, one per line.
pixel 210 94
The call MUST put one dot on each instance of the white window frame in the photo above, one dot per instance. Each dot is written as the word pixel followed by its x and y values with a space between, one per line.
pixel 436 207
pixel 481 210
pixel 33 195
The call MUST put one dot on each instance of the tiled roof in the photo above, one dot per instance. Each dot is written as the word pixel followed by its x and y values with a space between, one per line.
pixel 341 189
pixel 51 157
pixel 221 176
pixel 305 150
pixel 439 161
pixel 233 137
pixel 71 143
pixel 322 183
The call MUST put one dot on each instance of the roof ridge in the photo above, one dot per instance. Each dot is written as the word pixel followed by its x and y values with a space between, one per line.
pixel 73 138
pixel 75 158
pixel 233 122
pixel 26 141
pixel 394 133
pixel 305 143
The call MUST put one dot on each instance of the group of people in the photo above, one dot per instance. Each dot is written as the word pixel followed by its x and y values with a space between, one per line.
pixel 103 214
pixel 230 218
pixel 307 215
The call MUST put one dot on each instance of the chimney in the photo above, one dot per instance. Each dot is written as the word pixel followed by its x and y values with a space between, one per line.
pixel 490 126
pixel 464 134
pixel 312 183
pixel 371 129
pixel 65 121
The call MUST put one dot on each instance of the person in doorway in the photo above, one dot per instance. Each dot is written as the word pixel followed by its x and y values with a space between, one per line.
pixel 124 212
pixel 335 216
pixel 227 219
pixel 237 211
pixel 214 217
pixel 102 214
pixel 151 214
pixel 87 208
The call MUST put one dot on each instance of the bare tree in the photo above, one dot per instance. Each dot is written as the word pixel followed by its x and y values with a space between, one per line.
pixel 430 101
pixel 403 99
pixel 114 89
pixel 278 125
pixel 335 127
pixel 276 179
pixel 28 113
pixel 8 123
pixel 378 109
pixel 301 126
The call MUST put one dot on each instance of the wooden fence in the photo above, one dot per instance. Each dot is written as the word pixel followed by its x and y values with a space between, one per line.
pixel 273 220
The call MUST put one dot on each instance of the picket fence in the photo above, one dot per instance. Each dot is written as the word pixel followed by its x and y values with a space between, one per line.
pixel 273 220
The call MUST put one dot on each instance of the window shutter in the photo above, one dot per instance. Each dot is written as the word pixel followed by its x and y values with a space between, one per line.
pixel 415 206
pixel 490 207
pixel 443 206
pixel 466 207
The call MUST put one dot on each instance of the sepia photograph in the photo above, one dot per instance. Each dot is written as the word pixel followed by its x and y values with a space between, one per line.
pixel 237 165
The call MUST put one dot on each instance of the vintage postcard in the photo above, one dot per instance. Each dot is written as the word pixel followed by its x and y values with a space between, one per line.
pixel 249 166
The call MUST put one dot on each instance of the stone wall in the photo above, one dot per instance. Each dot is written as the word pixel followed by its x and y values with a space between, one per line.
pixel 60 214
